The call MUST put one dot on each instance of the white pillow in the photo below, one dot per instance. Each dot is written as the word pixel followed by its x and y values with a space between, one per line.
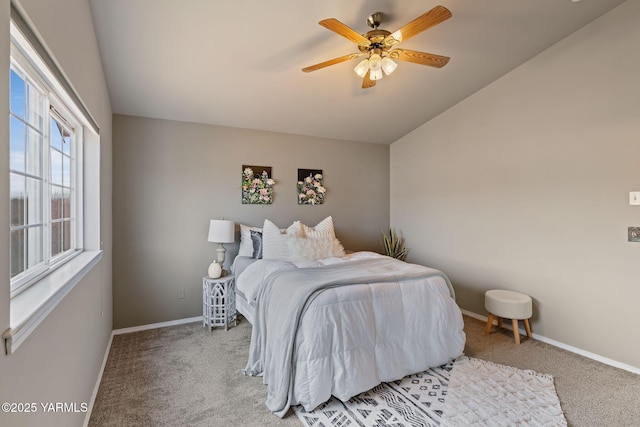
pixel 246 244
pixel 323 228
pixel 310 249
pixel 274 241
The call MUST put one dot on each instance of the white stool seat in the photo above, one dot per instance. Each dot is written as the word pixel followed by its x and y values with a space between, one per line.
pixel 509 305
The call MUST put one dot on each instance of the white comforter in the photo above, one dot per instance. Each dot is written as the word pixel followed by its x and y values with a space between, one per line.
pixel 313 337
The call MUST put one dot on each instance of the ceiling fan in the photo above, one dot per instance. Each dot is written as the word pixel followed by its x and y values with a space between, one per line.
pixel 379 45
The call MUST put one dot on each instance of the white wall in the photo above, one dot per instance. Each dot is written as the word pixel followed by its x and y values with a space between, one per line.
pixel 172 177
pixel 524 186
pixel 60 361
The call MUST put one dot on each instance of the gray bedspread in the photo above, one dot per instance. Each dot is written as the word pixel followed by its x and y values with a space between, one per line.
pixel 282 303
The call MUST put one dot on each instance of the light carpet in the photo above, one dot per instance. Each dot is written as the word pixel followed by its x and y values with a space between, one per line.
pixel 466 392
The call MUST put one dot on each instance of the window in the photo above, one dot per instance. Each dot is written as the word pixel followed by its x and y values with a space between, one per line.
pixel 45 156
pixel 54 181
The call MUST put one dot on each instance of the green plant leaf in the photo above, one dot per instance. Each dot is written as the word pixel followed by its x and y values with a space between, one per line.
pixel 394 245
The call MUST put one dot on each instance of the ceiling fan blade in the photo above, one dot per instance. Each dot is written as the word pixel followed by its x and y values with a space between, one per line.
pixel 422 58
pixel 331 62
pixel 418 25
pixel 345 31
pixel 367 82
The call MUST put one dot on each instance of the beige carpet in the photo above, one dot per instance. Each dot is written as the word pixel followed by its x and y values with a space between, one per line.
pixel 186 376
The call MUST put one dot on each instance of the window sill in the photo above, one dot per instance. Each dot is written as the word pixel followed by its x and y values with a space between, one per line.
pixel 29 308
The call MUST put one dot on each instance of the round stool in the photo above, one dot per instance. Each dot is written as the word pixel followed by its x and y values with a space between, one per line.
pixel 508 305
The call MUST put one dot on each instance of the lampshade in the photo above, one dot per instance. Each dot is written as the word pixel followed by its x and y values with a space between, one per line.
pixel 375 62
pixel 221 231
pixel 362 68
pixel 388 66
pixel 375 74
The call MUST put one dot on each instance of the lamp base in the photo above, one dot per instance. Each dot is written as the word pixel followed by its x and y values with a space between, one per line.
pixel 220 254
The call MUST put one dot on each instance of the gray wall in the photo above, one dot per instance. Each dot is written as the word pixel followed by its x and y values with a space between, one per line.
pixel 524 186
pixel 61 360
pixel 171 178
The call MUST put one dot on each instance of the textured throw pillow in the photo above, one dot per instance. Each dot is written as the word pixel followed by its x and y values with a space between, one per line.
pixel 323 228
pixel 256 238
pixel 310 249
pixel 274 241
pixel 246 244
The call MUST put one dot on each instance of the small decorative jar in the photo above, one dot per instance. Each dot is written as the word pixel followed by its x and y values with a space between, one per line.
pixel 215 270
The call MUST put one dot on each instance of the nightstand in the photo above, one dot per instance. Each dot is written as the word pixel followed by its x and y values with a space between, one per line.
pixel 218 301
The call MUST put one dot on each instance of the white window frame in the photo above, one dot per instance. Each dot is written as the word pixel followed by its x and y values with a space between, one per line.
pixel 38 75
pixel 31 306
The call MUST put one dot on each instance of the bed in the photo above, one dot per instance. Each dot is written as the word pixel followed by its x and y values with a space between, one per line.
pixel 342 324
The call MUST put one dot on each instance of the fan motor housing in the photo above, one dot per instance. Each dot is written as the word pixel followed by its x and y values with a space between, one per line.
pixel 376 37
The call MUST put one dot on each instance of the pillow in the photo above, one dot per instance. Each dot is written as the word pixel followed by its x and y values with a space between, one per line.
pixel 256 238
pixel 274 241
pixel 310 249
pixel 323 228
pixel 246 244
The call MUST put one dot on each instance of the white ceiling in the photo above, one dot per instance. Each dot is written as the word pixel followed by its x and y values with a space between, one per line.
pixel 238 62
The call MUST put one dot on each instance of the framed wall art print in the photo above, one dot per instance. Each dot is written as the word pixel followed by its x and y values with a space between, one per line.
pixel 310 187
pixel 257 185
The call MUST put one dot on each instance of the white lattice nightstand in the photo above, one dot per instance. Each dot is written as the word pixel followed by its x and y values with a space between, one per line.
pixel 218 301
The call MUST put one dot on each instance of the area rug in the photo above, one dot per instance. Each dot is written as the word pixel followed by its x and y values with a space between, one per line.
pixel 465 392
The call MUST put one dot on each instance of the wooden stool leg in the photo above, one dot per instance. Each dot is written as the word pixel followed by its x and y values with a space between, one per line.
pixel 527 327
pixel 516 331
pixel 499 322
pixel 487 329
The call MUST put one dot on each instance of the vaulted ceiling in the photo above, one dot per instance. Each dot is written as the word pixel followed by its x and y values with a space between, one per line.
pixel 238 63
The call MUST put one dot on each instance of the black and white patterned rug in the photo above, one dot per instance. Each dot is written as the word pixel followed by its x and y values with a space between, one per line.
pixel 415 400
pixel 464 392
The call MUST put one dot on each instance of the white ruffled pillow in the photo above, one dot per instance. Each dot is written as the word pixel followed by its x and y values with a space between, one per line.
pixel 323 228
pixel 310 249
pixel 274 241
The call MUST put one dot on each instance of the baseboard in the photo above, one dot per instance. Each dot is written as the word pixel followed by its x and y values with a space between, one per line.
pixel 157 325
pixel 564 346
pixel 87 416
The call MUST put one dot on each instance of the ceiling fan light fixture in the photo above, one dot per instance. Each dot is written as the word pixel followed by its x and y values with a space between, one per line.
pixel 375 62
pixel 378 45
pixel 362 68
pixel 375 74
pixel 388 66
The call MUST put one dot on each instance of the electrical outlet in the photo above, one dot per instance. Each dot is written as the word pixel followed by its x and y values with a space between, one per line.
pixel 181 293
pixel 634 234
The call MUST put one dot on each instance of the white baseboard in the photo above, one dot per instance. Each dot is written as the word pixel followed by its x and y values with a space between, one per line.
pixel 157 325
pixel 98 380
pixel 564 346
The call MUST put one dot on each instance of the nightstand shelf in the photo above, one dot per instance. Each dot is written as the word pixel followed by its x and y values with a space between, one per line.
pixel 218 302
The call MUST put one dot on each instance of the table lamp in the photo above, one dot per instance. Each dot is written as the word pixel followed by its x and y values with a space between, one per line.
pixel 220 231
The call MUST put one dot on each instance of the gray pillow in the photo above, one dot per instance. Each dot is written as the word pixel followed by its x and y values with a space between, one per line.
pixel 256 239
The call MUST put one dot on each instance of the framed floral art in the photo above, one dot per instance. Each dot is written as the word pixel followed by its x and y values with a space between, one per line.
pixel 257 185
pixel 310 186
